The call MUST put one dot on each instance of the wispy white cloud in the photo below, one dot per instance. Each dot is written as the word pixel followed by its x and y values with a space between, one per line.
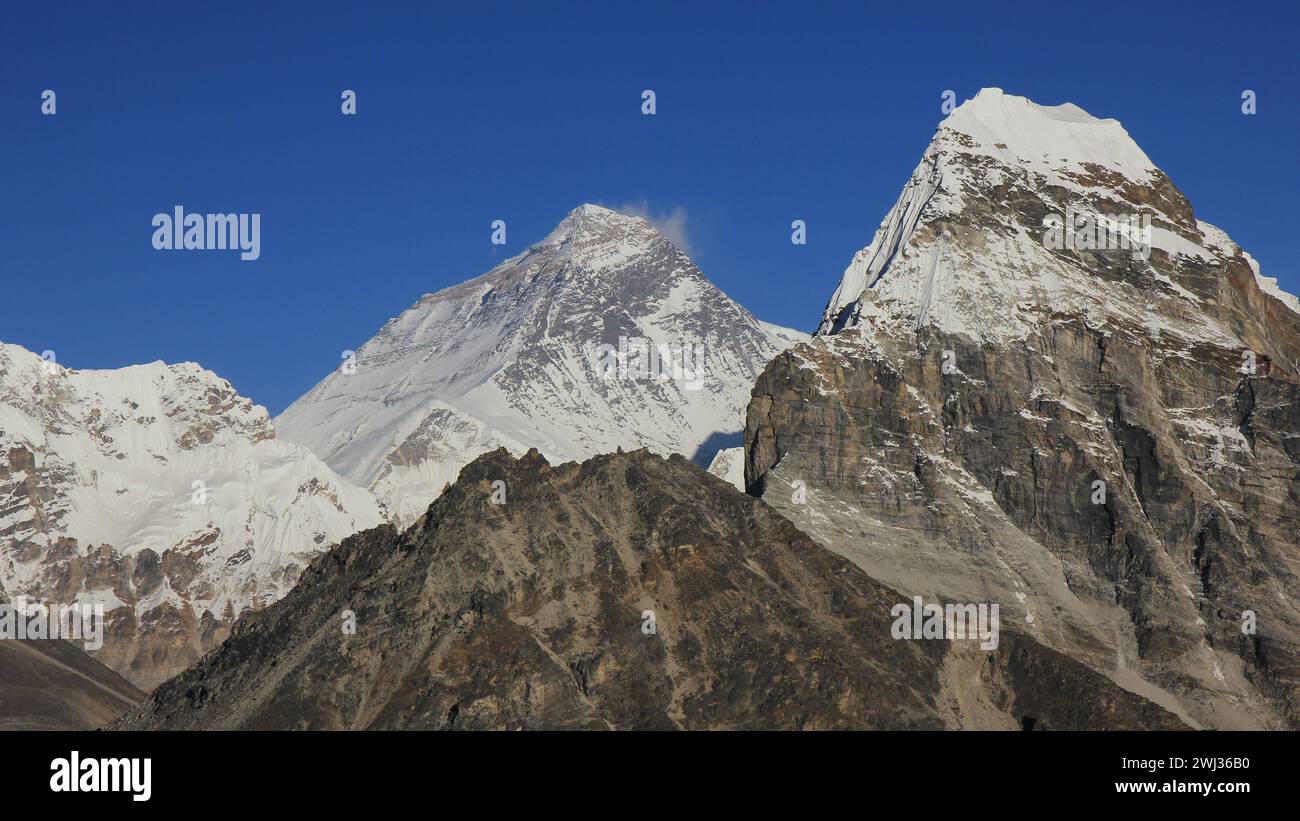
pixel 671 224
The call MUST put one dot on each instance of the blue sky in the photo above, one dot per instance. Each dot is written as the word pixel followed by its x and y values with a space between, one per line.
pixel 766 113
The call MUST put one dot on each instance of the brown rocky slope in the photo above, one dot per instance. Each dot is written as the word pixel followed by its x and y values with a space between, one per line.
pixel 532 614
pixel 53 685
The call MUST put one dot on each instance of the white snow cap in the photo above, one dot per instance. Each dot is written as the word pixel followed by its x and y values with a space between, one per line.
pixel 591 219
pixel 917 271
pixel 1016 128
pixel 116 455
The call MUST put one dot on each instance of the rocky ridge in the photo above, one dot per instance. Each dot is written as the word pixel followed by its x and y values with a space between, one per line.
pixel 1105 442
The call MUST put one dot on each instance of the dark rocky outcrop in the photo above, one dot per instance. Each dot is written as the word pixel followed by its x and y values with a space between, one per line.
pixel 532 614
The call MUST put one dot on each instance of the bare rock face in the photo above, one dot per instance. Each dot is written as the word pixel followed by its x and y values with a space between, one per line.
pixel 628 591
pixel 1106 444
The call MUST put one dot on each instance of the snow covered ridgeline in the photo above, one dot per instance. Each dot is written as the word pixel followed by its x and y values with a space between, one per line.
pixel 557 348
pixel 160 493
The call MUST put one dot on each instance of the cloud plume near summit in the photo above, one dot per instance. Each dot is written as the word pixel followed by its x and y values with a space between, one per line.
pixel 672 224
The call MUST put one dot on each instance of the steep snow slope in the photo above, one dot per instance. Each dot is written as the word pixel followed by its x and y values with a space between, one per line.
pixel 513 359
pixel 159 492
pixel 959 252
pixel 729 464
pixel 1103 440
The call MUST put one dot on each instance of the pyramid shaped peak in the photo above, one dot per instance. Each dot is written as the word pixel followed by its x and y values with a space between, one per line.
pixel 591 222
pixel 592 214
pixel 590 209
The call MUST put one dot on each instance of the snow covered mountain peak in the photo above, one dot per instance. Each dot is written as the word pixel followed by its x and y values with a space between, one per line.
pixel 596 221
pixel 519 357
pixel 599 238
pixel 1016 129
pixel 192 400
pixel 161 493
pixel 993 358
pixel 1019 214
